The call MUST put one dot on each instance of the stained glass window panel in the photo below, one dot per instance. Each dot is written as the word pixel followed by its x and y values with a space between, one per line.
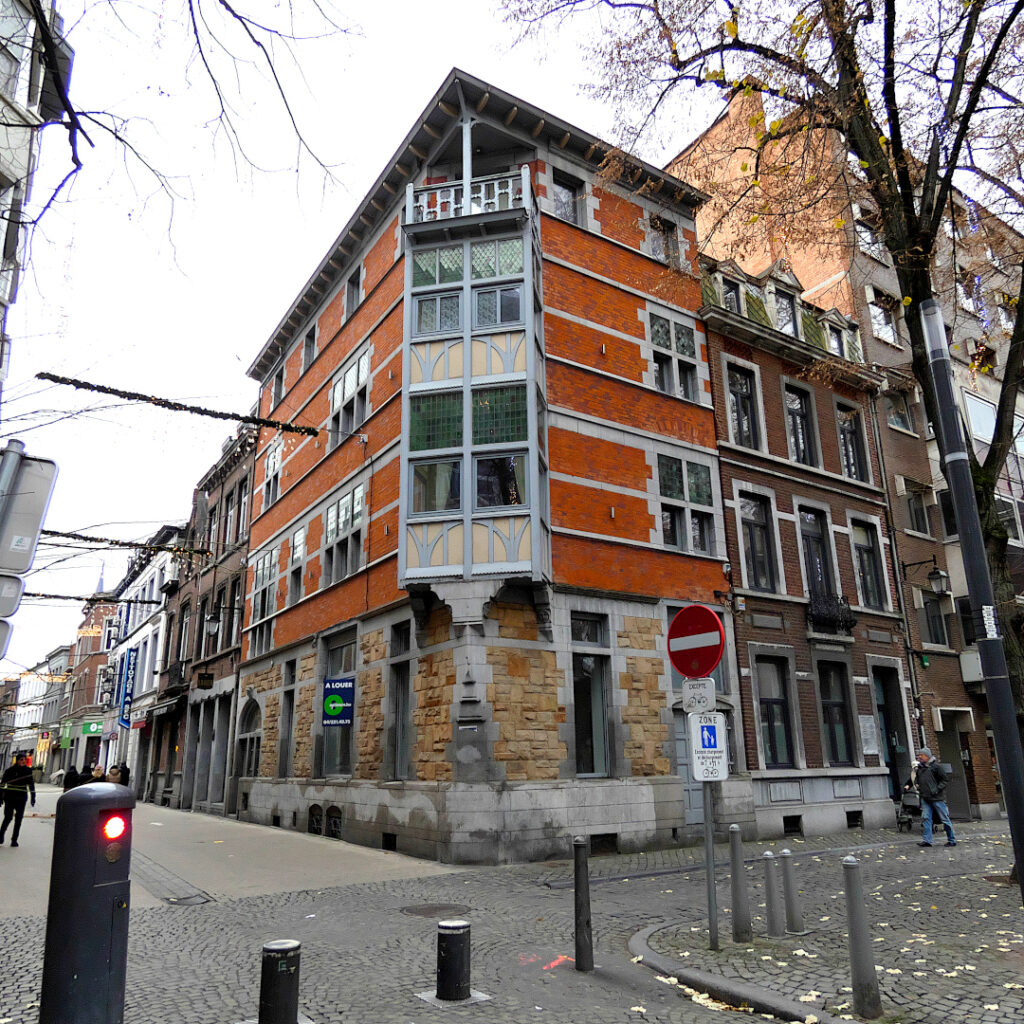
pixel 483 260
pixel 450 320
pixel 486 308
pixel 661 332
pixel 424 268
pixel 450 264
pixel 510 257
pixel 670 477
pixel 699 477
pixel 685 343
pixel 435 421
pixel 499 415
pixel 426 315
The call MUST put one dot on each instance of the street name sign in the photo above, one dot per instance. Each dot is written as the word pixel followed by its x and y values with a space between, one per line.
pixel 696 638
pixel 709 747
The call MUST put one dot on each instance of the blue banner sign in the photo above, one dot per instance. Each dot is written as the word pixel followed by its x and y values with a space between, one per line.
pixel 339 699
pixel 128 689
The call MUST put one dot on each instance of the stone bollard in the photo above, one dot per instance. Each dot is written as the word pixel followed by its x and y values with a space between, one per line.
pixel 581 887
pixel 794 912
pixel 741 929
pixel 864 978
pixel 772 898
pixel 279 982
pixel 453 960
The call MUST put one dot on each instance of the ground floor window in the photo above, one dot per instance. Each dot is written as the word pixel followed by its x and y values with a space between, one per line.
pixel 250 734
pixel 774 705
pixel 341 661
pixel 590 672
pixel 835 712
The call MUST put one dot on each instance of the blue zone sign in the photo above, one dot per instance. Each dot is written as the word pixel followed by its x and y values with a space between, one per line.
pixel 338 702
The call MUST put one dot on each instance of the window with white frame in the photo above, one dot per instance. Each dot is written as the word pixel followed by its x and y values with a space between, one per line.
pixel 298 557
pixel 1004 507
pixel 801 431
pixel 687 505
pixel 1006 310
pixel 183 649
pixel 897 411
pixel 264 601
pixel 932 619
pixel 870 239
pixel 343 536
pixel 243 508
pixel 882 309
pixel 272 475
pixel 837 341
pixel 230 518
pixel 917 507
pixel 868 563
pixel 785 312
pixel 968 291
pixel 851 442
pixel 664 241
pixel 349 399
pixel 674 347
pixel 744 421
pixel 567 197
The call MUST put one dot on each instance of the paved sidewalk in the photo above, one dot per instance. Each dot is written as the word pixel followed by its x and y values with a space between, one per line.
pixel 949 942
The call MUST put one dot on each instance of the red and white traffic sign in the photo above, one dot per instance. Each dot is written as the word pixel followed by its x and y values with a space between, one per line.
pixel 696 638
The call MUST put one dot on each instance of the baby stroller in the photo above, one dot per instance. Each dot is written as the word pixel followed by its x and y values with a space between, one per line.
pixel 909 811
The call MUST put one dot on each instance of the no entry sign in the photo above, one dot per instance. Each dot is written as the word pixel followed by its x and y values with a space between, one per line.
pixel 696 638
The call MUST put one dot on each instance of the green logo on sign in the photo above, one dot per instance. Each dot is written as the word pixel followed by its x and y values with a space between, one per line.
pixel 334 705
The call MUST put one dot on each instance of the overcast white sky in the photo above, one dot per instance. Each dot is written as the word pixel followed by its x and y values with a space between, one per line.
pixel 124 290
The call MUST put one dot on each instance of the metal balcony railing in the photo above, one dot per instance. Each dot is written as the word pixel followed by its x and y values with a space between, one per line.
pixel 829 613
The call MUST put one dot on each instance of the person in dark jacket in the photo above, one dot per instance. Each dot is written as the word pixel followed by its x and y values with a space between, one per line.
pixel 15 785
pixel 125 774
pixel 71 778
pixel 97 775
pixel 929 780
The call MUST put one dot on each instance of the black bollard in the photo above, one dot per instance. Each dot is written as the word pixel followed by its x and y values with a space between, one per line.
pixel 453 960
pixel 86 951
pixel 279 982
pixel 581 886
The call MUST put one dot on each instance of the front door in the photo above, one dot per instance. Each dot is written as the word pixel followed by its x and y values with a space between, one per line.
pixel 892 741
pixel 951 752
pixel 693 791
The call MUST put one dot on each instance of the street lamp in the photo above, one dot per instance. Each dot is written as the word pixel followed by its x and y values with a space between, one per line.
pixel 938 578
pixel 212 624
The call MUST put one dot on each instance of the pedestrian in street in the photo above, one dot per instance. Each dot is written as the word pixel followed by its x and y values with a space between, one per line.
pixel 71 778
pixel 928 778
pixel 15 786
pixel 125 774
pixel 114 775
pixel 98 774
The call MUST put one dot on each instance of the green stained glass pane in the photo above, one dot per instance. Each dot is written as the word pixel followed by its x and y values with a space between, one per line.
pixel 450 261
pixel 435 421
pixel 661 332
pixel 499 415
pixel 424 268
pixel 510 257
pixel 699 477
pixel 483 259
pixel 486 308
pixel 426 315
pixel 670 478
pixel 450 319
pixel 684 340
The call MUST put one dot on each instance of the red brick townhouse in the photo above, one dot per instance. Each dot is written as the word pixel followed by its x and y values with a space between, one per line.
pixel 458 590
pixel 828 734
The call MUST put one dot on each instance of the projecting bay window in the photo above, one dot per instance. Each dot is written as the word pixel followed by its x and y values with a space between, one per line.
pixel 590 674
pixel 343 537
pixel 687 505
pixel 497 307
pixel 675 357
pixel 436 487
pixel 500 481
pixel 348 399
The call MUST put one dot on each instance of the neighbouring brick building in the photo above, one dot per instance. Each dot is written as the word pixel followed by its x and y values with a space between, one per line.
pixel 459 589
pixel 191 723
pixel 839 262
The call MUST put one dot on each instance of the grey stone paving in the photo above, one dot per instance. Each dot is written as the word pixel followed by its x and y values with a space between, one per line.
pixel 364 959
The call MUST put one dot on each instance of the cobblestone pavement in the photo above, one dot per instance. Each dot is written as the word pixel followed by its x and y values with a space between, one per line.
pixel 369 948
pixel 949 942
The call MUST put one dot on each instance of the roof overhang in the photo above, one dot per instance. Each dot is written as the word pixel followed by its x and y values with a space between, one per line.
pixel 460 93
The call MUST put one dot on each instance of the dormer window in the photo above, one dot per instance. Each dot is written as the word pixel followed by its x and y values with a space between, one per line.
pixel 837 341
pixel 664 241
pixel 731 295
pixel 785 312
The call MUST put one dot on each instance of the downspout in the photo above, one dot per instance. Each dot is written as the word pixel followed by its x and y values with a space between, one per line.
pixel 915 691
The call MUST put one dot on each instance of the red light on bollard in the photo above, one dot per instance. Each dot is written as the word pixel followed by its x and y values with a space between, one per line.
pixel 114 827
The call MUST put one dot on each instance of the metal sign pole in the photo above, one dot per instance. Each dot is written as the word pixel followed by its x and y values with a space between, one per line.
pixel 709 862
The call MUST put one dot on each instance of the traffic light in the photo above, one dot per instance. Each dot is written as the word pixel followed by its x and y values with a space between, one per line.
pixel 87 919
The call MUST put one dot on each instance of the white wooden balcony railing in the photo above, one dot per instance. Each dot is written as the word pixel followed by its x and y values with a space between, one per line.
pixel 490 194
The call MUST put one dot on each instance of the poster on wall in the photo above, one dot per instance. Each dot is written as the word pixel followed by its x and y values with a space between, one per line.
pixel 338 701
pixel 868 734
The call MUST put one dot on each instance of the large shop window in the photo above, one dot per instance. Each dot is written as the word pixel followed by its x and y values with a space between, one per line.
pixel 590 672
pixel 835 712
pixel 774 705
pixel 341 661
pixel 675 357
pixel 687 517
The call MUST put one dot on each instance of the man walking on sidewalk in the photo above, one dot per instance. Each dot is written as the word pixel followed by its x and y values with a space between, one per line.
pixel 929 779
pixel 15 785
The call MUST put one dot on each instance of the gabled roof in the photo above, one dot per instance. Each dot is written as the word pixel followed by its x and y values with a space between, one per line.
pixel 459 91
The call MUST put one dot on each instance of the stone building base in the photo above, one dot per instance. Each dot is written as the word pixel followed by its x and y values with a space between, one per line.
pixel 462 823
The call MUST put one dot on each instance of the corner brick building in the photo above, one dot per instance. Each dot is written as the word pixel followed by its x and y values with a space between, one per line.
pixel 458 591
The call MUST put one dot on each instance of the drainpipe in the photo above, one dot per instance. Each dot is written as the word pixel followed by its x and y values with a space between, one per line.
pixel 915 690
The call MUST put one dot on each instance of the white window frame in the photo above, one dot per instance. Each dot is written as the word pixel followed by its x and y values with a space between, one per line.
pixel 344 540
pixel 762 436
pixel 350 407
pixel 768 494
pixel 687 507
pixel 880 540
pixel 786 384
pixel 272 474
pixel 816 506
pixel 862 423
pixel 673 357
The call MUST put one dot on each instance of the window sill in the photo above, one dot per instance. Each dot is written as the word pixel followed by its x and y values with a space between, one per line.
pixel 770 595
pixel 903 430
pixel 831 638
pixel 919 535
pixel 937 649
